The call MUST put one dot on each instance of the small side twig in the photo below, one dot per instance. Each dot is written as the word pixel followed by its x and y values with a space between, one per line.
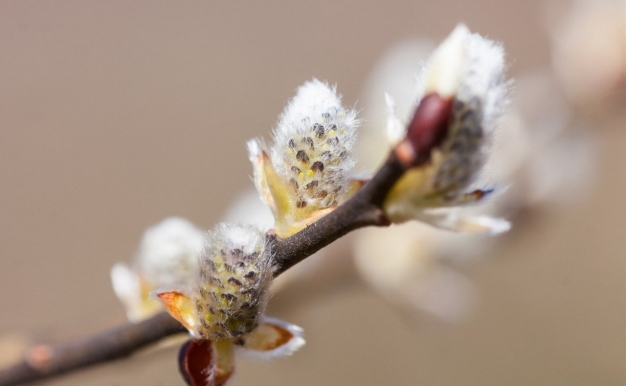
pixel 363 209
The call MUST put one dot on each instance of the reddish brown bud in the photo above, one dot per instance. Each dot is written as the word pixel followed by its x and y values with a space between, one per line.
pixel 196 361
pixel 429 126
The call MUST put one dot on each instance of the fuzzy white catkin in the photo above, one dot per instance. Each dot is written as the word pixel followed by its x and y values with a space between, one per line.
pixel 167 254
pixel 233 280
pixel 312 147
pixel 469 69
pixel 477 67
pixel 166 260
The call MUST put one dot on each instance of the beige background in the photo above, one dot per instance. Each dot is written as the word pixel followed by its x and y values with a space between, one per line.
pixel 116 114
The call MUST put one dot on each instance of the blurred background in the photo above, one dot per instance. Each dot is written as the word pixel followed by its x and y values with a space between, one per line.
pixel 115 115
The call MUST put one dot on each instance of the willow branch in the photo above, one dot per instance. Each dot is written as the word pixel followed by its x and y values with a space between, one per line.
pixel 363 209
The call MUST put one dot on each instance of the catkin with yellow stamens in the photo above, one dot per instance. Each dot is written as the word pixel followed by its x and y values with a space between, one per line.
pixel 234 275
pixel 312 147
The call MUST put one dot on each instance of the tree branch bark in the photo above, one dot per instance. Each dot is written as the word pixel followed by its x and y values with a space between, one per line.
pixel 363 209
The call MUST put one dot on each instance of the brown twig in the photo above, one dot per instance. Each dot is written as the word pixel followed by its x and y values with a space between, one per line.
pixel 363 209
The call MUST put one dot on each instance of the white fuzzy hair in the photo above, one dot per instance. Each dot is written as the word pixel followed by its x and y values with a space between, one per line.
pixel 316 125
pixel 470 68
pixel 167 252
